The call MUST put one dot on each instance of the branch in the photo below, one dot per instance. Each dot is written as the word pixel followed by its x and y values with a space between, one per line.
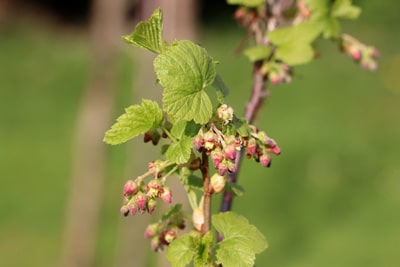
pixel 207 193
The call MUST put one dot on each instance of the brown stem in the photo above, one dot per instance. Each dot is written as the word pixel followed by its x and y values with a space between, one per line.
pixel 207 193
pixel 259 92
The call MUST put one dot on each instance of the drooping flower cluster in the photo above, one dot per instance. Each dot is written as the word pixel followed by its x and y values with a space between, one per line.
pixel 164 231
pixel 224 148
pixel 364 55
pixel 139 197
pixel 277 72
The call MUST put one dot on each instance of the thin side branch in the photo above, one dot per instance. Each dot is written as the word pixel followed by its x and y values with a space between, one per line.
pixel 207 193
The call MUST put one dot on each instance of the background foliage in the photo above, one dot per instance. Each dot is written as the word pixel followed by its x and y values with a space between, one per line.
pixel 332 198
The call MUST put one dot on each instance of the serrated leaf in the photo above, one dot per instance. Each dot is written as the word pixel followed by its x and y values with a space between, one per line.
pixel 222 89
pixel 256 53
pixel 294 43
pixel 185 70
pixel 180 150
pixel 345 9
pixel 148 34
pixel 247 3
pixel 241 240
pixel 203 245
pixel 180 251
pixel 136 120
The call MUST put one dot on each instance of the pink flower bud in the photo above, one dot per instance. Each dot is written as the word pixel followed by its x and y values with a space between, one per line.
pixel 151 205
pixel 231 167
pixel 130 188
pixel 251 147
pixel 217 182
pixel 141 201
pixel 198 142
pixel 355 53
pixel 132 208
pixel 265 160
pixel 274 78
pixel 124 210
pixel 155 243
pixel 198 218
pixel 230 152
pixel 166 196
pixel 217 157
pixel 210 140
pixel 222 168
pixel 275 149
pixel 151 230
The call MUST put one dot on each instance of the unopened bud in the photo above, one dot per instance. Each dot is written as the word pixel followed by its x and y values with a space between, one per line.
pixel 198 142
pixel 124 210
pixel 222 168
pixel 217 157
pixel 151 205
pixel 141 200
pixel 217 182
pixel 275 149
pixel 251 147
pixel 265 160
pixel 166 196
pixel 198 218
pixel 130 188
pixel 155 243
pixel 151 230
pixel 132 208
pixel 274 78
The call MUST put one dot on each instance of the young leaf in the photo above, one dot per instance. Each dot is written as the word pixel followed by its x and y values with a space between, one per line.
pixel 179 252
pixel 256 53
pixel 294 43
pixel 148 34
pixel 203 245
pixel 345 9
pixel 241 240
pixel 180 150
pixel 171 212
pixel 185 70
pixel 247 3
pixel 136 120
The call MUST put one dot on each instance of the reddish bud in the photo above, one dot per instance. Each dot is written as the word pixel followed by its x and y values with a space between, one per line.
pixel 251 147
pixel 132 208
pixel 124 210
pixel 154 188
pixel 155 243
pixel 265 160
pixel 230 152
pixel 222 168
pixel 147 136
pixel 217 157
pixel 210 140
pixel 355 53
pixel 274 78
pixel 151 205
pixel 166 196
pixel 198 142
pixel 130 188
pixel 141 200
pixel 232 167
pixel 151 230
pixel 275 149
pixel 217 182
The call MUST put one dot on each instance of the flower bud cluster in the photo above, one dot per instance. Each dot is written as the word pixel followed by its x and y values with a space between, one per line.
pixel 259 146
pixel 365 55
pixel 222 149
pixel 164 232
pixel 277 72
pixel 142 198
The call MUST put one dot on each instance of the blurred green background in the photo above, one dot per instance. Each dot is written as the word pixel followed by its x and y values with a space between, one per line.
pixel 331 199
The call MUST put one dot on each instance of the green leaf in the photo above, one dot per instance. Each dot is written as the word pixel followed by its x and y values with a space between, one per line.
pixel 185 70
pixel 148 34
pixel 345 9
pixel 241 240
pixel 180 150
pixel 180 251
pixel 136 120
pixel 203 245
pixel 222 89
pixel 294 43
pixel 256 53
pixel 331 29
pixel 247 3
